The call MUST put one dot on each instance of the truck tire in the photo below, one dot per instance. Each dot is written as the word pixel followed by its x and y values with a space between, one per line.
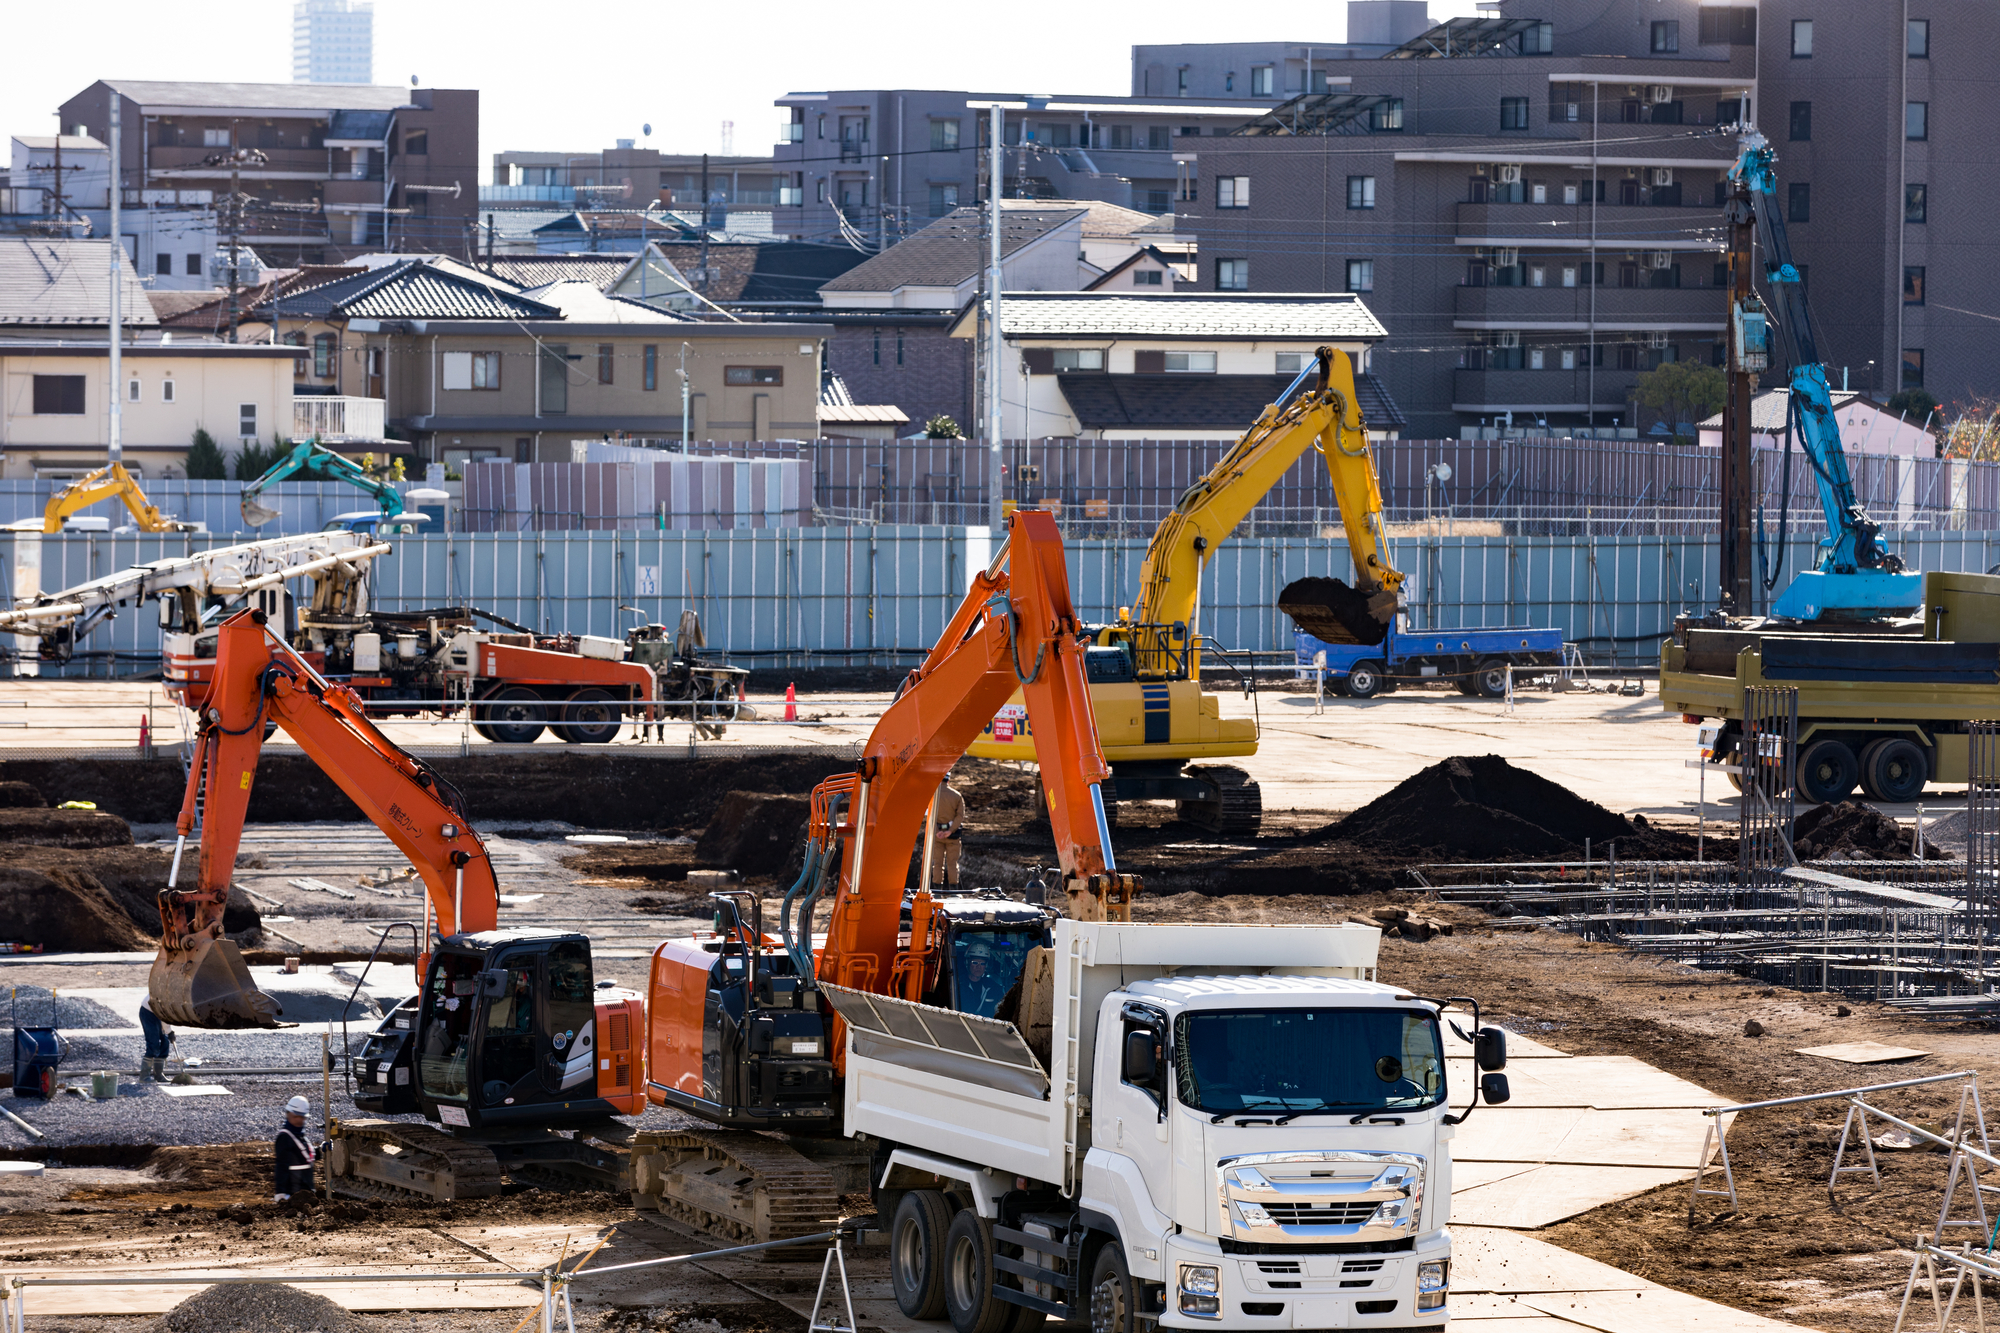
pixel 1365 679
pixel 591 717
pixel 968 1278
pixel 916 1249
pixel 1489 679
pixel 1828 771
pixel 1895 768
pixel 1114 1300
pixel 513 717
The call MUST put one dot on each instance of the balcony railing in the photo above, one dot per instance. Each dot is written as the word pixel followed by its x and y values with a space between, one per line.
pixel 1688 307
pixel 187 161
pixel 791 133
pixel 337 420
pixel 1548 390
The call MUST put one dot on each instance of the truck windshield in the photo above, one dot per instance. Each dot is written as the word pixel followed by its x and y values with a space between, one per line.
pixel 1283 1060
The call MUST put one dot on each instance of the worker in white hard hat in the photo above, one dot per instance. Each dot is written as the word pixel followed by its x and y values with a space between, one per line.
pixel 295 1154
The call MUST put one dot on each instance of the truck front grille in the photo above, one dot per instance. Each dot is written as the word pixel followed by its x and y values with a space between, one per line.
pixel 1320 1214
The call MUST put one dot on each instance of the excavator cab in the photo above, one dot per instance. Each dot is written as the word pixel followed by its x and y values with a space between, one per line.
pixel 985 941
pixel 506 1032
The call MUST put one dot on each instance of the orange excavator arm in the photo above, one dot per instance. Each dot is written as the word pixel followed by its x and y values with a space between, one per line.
pixel 1016 629
pixel 199 978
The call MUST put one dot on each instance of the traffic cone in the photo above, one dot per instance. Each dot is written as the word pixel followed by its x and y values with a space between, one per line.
pixel 791 703
pixel 145 735
pixel 742 693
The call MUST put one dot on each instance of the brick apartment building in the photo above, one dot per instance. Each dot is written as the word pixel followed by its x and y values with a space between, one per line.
pixel 346 168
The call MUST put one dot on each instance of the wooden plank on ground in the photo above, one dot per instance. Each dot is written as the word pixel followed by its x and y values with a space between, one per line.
pixel 1863 1052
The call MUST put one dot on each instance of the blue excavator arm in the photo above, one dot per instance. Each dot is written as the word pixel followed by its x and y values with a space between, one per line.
pixel 312 454
pixel 1857 574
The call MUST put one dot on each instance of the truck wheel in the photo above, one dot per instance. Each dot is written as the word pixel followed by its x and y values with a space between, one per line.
pixel 1828 771
pixel 1364 679
pixel 1896 769
pixel 591 717
pixel 968 1278
pixel 916 1245
pixel 1113 1301
pixel 1489 679
pixel 513 717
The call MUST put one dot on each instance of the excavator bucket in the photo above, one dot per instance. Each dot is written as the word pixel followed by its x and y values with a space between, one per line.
pixel 209 987
pixel 256 515
pixel 1333 612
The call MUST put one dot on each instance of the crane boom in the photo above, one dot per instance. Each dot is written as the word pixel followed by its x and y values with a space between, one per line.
pixel 111 480
pixel 311 454
pixel 1857 574
pixel 198 978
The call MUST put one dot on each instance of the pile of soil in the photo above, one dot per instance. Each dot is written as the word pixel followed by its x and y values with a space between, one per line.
pixel 257 1307
pixel 1483 808
pixel 1331 611
pixel 754 833
pixel 62 828
pixel 1855 831
pixel 14 795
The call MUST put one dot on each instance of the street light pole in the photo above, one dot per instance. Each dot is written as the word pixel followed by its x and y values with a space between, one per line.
pixel 996 345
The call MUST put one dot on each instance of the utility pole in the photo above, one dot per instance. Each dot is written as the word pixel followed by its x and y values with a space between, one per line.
pixel 996 345
pixel 704 224
pixel 489 240
pixel 1737 479
pixel 687 426
pixel 882 207
pixel 115 451
pixel 59 130
pixel 235 225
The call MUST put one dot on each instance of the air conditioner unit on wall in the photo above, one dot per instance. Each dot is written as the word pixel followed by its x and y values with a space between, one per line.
pixel 1656 339
pixel 1510 173
pixel 1659 259
pixel 1663 175
pixel 1508 338
pixel 1660 92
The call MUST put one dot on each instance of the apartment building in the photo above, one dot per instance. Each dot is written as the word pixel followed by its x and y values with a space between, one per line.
pixel 333 41
pixel 629 176
pixel 874 166
pixel 331 170
pixel 1536 194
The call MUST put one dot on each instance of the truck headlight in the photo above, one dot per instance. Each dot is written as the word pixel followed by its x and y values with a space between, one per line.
pixel 1432 1277
pixel 1200 1279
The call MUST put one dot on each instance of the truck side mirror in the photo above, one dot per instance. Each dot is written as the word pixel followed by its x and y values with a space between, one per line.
pixel 1493 1087
pixel 1141 1062
pixel 1489 1048
pixel 493 984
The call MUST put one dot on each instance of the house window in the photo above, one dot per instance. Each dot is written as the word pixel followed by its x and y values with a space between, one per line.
pixel 1913 367
pixel 323 345
pixel 1077 358
pixel 1291 363
pixel 1569 358
pixel 1916 120
pixel 1232 192
pixel 1918 44
pixel 194 265
pixel 944 136
pixel 1158 136
pixel 1913 284
pixel 166 390
pixel 753 375
pixel 1361 192
pixel 1232 275
pixel 1539 40
pixel 1360 275
pixel 944 198
pixel 1182 85
pixel 1121 136
pixel 1801 39
pixel 1386 115
pixel 417 143
pixel 1798 202
pixel 132 391
pixel 1914 203
pixel 878 347
pixel 59 395
pixel 1569 275
pixel 1229 82
pixel 246 421
pixel 1513 113
pixel 605 360
pixel 899 347
pixel 1801 122
pixel 1733 25
pixel 1148 277
pixel 163 264
pixel 819 194
pixel 1666 37
pixel 649 375
pixel 215 138
pixel 1260 81
pixel 1190 363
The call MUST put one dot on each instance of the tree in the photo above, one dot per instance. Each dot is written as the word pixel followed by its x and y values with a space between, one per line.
pixel 1915 404
pixel 1686 392
pixel 204 460
pixel 942 427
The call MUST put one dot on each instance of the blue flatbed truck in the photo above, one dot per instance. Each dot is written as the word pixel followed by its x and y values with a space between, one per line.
pixel 1476 660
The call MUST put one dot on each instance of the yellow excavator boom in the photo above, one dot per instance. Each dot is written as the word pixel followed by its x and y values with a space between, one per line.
pixel 103 484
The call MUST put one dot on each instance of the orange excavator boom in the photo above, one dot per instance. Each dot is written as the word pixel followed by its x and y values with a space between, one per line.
pixel 199 978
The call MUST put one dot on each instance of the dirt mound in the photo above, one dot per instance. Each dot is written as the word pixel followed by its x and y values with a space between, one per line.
pixel 1854 831
pixel 754 833
pixel 63 828
pixel 1483 808
pixel 18 795
pixel 129 878
pixel 257 1307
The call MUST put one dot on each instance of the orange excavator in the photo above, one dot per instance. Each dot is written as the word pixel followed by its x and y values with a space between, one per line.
pixel 523 1060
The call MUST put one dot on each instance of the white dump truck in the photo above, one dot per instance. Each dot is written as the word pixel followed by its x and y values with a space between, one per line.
pixel 1211 1127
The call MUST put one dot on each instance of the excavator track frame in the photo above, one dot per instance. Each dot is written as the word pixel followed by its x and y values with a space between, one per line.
pixel 427 1164
pixel 733 1183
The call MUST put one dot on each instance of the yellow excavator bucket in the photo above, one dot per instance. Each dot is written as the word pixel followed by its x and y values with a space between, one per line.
pixel 209 986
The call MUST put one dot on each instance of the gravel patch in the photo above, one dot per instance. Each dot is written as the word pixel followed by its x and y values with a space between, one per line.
pixel 30 1008
pixel 257 1307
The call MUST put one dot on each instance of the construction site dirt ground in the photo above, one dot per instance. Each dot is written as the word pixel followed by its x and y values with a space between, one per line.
pixel 1790 1252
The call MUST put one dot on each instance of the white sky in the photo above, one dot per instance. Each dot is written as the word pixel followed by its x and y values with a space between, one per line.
pixel 575 77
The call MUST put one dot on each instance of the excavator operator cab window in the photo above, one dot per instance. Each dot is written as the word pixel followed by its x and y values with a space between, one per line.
pixel 507 1051
pixel 444 1047
pixel 572 1059
pixel 1109 666
pixel 985 964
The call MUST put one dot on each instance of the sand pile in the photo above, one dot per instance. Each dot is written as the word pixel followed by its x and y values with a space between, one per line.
pixel 1854 831
pixel 257 1307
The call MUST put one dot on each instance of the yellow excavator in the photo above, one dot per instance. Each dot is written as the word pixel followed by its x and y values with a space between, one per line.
pixel 103 484
pixel 1145 670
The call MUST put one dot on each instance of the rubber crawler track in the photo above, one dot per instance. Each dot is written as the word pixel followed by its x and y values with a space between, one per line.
pixel 800 1193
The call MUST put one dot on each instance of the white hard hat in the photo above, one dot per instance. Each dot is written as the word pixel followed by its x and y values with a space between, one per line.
pixel 298 1106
